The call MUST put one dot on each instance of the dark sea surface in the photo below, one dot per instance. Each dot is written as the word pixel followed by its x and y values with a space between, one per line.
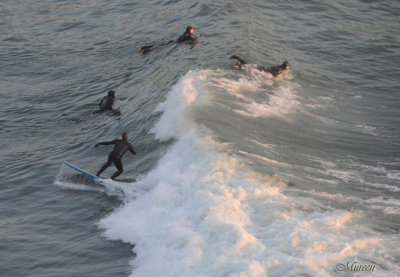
pixel 237 173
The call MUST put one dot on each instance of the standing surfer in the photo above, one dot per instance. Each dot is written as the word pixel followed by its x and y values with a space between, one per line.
pixel 121 146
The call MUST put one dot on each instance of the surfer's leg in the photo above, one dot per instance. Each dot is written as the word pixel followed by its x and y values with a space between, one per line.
pixel 118 165
pixel 145 49
pixel 107 164
pixel 236 57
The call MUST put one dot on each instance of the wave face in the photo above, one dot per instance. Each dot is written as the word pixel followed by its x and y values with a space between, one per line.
pixel 211 211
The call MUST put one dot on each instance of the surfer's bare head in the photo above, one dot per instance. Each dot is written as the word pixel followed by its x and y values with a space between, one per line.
pixel 125 136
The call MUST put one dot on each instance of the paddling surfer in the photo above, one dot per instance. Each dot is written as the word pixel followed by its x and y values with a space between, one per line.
pixel 274 70
pixel 187 36
pixel 106 102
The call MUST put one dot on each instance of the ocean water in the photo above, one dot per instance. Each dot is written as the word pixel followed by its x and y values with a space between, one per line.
pixel 237 173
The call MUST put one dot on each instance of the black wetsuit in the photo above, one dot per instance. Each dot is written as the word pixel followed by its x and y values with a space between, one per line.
pixel 121 146
pixel 274 70
pixel 106 103
pixel 186 36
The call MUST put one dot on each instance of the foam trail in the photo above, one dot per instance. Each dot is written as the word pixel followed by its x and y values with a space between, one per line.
pixel 126 191
pixel 64 180
pixel 66 185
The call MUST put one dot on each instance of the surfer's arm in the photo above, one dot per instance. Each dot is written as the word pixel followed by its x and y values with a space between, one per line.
pixel 132 150
pixel 102 100
pixel 105 143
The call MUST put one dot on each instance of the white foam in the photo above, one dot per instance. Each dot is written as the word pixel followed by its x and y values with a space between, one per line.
pixel 257 95
pixel 367 129
pixel 265 159
pixel 386 205
pixel 385 186
pixel 66 185
pixel 181 95
pixel 207 214
pixel 393 174
pixel 267 146
pixel 124 190
pixel 280 102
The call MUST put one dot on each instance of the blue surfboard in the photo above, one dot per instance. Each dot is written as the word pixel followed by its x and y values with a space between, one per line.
pixel 82 171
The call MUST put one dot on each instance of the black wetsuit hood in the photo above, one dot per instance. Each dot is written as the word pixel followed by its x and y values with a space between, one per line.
pixel 285 63
pixel 111 93
pixel 186 36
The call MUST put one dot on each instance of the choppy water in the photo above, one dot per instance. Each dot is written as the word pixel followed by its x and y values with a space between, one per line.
pixel 238 174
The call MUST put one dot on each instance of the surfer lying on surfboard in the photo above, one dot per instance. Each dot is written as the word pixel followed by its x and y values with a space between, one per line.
pixel 121 146
pixel 274 70
pixel 187 36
